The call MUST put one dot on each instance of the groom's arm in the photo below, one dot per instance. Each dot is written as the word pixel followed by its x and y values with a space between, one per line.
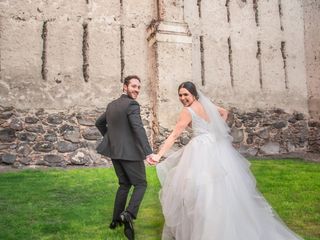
pixel 101 124
pixel 135 121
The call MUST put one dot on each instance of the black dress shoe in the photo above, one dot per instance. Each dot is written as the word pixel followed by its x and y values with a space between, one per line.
pixel 128 225
pixel 115 223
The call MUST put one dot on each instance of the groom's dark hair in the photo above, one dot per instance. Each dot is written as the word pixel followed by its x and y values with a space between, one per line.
pixel 127 79
pixel 190 87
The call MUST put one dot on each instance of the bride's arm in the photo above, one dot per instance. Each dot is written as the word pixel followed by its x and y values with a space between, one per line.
pixel 184 120
pixel 223 113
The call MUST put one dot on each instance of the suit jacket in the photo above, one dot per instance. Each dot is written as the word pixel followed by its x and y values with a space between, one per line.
pixel 124 135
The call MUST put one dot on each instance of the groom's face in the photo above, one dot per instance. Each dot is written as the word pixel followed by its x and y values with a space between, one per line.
pixel 133 88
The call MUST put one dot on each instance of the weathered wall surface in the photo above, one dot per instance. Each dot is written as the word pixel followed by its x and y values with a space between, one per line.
pixel 250 54
pixel 63 54
pixel 312 48
pixel 245 54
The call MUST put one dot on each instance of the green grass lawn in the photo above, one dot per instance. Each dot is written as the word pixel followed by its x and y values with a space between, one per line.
pixel 77 203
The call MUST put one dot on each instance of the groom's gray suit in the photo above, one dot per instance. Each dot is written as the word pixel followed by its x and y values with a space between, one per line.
pixel 126 143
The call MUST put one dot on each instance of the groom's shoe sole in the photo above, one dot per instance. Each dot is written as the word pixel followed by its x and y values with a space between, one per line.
pixel 128 225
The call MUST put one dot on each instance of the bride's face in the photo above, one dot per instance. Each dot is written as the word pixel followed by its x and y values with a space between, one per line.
pixel 185 97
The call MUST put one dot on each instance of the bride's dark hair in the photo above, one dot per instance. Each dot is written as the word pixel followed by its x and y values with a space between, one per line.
pixel 190 87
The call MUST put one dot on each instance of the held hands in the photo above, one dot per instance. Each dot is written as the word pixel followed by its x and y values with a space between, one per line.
pixel 153 159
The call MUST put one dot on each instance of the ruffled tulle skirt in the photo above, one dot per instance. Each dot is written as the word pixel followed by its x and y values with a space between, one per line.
pixel 209 193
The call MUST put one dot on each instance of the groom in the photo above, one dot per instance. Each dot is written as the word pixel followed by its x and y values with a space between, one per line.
pixel 126 143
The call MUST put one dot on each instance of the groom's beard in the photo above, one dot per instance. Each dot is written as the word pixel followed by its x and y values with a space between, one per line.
pixel 132 94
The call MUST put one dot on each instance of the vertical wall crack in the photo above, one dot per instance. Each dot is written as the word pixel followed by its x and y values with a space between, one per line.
pixel 228 10
pixel 280 14
pixel 85 51
pixel 44 70
pixel 284 58
pixel 158 10
pixel 256 12
pixel 258 56
pixel 199 8
pixel 203 80
pixel 122 63
pixel 230 62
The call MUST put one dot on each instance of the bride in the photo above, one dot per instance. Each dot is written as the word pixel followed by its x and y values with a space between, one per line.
pixel 208 191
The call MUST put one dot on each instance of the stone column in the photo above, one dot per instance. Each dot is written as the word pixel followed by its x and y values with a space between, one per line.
pixel 312 54
pixel 170 56
pixel 170 10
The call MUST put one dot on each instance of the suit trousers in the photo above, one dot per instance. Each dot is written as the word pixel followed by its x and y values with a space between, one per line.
pixel 129 173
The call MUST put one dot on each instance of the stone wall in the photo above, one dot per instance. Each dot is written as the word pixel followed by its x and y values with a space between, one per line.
pixel 54 139
pixel 266 133
pixel 61 139
pixel 274 132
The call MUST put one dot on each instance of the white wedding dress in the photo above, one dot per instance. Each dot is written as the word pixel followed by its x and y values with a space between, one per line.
pixel 208 191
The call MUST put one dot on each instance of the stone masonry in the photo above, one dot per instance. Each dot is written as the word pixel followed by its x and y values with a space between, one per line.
pixel 42 138
pixel 61 139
